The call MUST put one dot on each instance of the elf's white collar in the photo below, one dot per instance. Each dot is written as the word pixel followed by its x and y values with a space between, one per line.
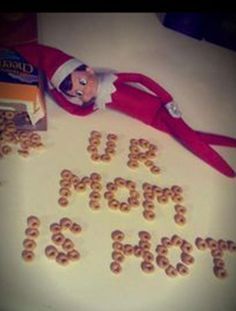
pixel 105 89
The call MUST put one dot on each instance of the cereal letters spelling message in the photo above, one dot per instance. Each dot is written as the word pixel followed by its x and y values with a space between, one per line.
pixel 141 152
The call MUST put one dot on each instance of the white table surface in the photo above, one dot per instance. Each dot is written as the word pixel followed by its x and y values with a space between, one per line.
pixel 201 76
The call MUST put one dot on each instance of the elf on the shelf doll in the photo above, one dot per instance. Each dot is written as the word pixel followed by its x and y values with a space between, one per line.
pixel 80 90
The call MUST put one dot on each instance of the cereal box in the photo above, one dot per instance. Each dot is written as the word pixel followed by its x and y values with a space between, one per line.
pixel 21 91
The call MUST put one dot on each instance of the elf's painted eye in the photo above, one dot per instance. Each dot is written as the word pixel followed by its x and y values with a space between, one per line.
pixel 83 81
pixel 79 93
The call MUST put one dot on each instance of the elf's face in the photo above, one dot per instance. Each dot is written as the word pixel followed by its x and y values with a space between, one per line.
pixel 84 84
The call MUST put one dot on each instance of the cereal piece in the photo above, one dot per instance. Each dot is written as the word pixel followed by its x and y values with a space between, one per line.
pixel 92 149
pixel 133 202
pixel 58 238
pixel 138 251
pixel 144 235
pixel 95 157
pixel 186 247
pixel 117 246
pixel 33 222
pixel 111 186
pixel 80 187
pixel 117 256
pixel 62 259
pixel 65 223
pixel 65 183
pixel 180 219
pixel 182 269
pixel 176 189
pixel 32 232
pixel 29 244
pixel 51 252
pixel 95 134
pixel 27 255
pixel 201 244
pixel 75 228
pixel 147 266
pixel 94 204
pixel 187 259
pixel 180 209
pixel 124 207
pixel 148 205
pixel 73 255
pixel 95 177
pixel 217 253
pixel 114 204
pixel 95 185
pixel 161 250
pixel 176 240
pixel 63 202
pixel 171 271
pixel 162 199
pixel 211 243
pixel 222 244
pixel 128 249
pixel 145 245
pixel 117 235
pixel 95 195
pixel 112 136
pixel 149 214
pixel 219 262
pixel 66 174
pixel 162 261
pixel 177 198
pixel 68 245
pixel 147 256
pixel 86 180
pixel 149 196
pixel 23 153
pixel 231 246
pixel 220 273
pixel 115 267
pixel 55 228
pixel 109 195
pixel 132 164
pixel 5 149
pixel 134 194
pixel 105 157
pixel 65 192
pixel 166 242
pixel 131 185
pixel 155 169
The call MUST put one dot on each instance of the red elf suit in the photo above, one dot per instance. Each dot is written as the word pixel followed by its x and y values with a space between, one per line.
pixel 122 92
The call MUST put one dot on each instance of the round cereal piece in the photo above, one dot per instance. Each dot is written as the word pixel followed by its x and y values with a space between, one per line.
pixel 149 214
pixel 134 194
pixel 117 256
pixel 33 221
pixel 147 266
pixel 186 247
pixel 6 149
pixel 222 245
pixel 117 235
pixel 27 255
pixel 68 245
pixel 171 271
pixel 180 219
pixel 65 183
pixel 148 205
pixel 63 202
pixel 73 255
pixel 162 199
pixel 110 150
pixel 180 209
pixel 95 157
pixel 66 174
pixel 217 253
pixel 94 141
pixel 92 149
pixel 219 262
pixel 132 164
pixel 58 238
pixel 182 269
pixel 149 196
pixel 156 190
pixel 142 157
pixel 124 207
pixel 147 187
pixel 86 180
pixel 95 195
pixel 133 202
pixel 150 154
pixel 144 235
pixel 65 192
pixel 111 186
pixel 138 251
pixel 144 244
pixel 95 177
pixel 166 192
pixel 176 240
pixel 32 232
pixel 120 182
pixel 148 256
pixel 94 204
pixel 149 163
pixel 187 258
pixel 95 185
pixel 201 243
pixel 134 142
pixel 112 136
pixel 130 185
pixel 75 228
pixel 176 189
pixel 220 273
pixel 161 250
pixel 110 144
pixel 65 223
pixel 165 241
pixel 62 259
pixel 155 170
pixel 211 243
pixel 177 198
pixel 9 115
pixel 29 244
pixel 115 267
pixel 162 261
pixel 113 204
pixel 80 187
pixel 117 246
pixel 231 246
pixel 109 195
pixel 51 252
pixel 128 249
pixel 95 134
pixel 55 228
